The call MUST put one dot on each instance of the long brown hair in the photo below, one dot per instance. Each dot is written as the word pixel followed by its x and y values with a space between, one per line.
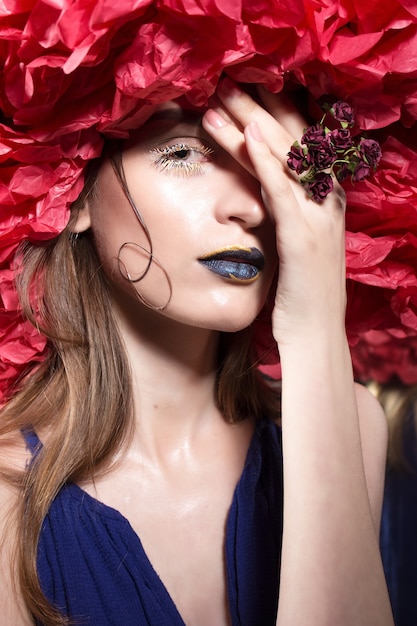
pixel 81 394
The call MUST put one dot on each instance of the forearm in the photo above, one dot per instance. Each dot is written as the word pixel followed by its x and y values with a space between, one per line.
pixel 331 573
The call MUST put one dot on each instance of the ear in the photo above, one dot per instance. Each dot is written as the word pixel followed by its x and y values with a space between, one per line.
pixel 83 219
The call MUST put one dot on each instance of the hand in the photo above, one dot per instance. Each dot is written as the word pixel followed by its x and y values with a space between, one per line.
pixel 325 449
pixel 311 295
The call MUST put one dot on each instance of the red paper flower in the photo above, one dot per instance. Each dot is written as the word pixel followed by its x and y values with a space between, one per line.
pixel 38 183
pixel 379 356
pixel 382 257
pixel 367 57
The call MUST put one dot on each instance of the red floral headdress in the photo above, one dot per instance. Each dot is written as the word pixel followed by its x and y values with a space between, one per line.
pixel 77 70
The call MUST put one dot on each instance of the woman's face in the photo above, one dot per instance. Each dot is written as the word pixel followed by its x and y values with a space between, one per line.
pixel 213 243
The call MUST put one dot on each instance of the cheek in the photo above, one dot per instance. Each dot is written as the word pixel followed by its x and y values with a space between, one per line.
pixel 122 242
pixel 175 209
pixel 113 220
pixel 123 245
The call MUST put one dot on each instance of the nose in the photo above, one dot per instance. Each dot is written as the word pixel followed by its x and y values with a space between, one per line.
pixel 240 199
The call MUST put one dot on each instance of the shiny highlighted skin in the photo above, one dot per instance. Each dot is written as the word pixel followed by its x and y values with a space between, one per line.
pixel 238 264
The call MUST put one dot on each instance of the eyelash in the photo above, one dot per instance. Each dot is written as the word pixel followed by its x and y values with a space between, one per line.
pixel 166 161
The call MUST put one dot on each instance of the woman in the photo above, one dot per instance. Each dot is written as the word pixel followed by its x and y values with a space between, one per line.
pixel 150 411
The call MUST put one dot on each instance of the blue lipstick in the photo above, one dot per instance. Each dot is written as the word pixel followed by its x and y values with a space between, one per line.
pixel 236 263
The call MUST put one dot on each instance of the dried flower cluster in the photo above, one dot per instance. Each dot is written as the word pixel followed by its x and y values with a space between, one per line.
pixel 324 153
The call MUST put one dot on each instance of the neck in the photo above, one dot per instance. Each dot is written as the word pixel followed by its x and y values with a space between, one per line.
pixel 173 374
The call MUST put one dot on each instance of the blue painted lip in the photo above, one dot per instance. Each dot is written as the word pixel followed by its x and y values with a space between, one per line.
pixel 239 264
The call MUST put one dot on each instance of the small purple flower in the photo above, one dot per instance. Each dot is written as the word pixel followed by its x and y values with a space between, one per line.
pixel 370 151
pixel 313 135
pixel 342 112
pixel 319 186
pixel 298 160
pixel 361 171
pixel 343 172
pixel 325 152
pixel 322 155
pixel 341 138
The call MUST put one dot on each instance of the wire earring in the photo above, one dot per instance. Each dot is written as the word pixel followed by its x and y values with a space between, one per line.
pixel 116 161
pixel 123 269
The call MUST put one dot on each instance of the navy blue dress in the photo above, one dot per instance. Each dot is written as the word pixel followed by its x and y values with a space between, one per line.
pixel 399 533
pixel 92 565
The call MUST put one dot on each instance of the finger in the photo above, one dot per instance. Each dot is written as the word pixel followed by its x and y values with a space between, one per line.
pixel 244 109
pixel 216 104
pixel 279 189
pixel 283 109
pixel 228 136
pixel 233 141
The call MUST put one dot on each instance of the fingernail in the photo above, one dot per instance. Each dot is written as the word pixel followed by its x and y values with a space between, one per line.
pixel 229 87
pixel 255 131
pixel 214 119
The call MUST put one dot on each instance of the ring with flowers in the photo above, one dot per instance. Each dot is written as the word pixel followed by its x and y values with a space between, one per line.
pixel 324 152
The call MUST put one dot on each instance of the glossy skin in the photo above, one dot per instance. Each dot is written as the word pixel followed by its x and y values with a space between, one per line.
pixel 184 460
pixel 195 199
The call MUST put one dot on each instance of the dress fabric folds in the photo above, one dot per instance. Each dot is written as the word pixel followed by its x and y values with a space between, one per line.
pixel 92 565
pixel 398 538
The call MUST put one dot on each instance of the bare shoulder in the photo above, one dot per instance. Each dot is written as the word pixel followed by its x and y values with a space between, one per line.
pixel 371 414
pixel 373 424
pixel 12 457
pixel 374 440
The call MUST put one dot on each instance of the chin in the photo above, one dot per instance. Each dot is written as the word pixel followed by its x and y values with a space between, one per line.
pixel 233 326
pixel 230 316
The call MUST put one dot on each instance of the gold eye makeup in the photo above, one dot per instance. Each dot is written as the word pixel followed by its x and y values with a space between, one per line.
pixel 181 158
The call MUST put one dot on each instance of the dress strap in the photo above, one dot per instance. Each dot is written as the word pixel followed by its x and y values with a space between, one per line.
pixel 32 440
